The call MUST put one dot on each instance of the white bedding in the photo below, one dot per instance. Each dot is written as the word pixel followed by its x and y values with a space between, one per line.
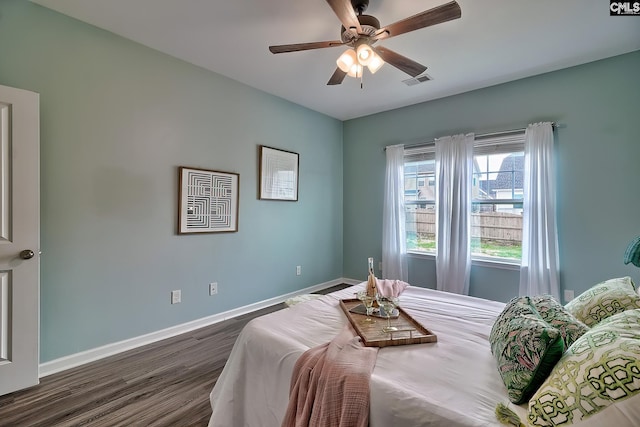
pixel 453 382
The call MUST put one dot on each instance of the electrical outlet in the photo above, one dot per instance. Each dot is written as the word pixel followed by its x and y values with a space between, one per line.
pixel 213 288
pixel 176 296
pixel 298 270
pixel 568 295
pixel 380 265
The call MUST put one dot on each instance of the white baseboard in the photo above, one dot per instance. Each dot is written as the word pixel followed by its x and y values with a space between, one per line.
pixel 77 359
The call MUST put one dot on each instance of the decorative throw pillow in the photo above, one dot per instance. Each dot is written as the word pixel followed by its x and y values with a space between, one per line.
pixel 603 300
pixel 526 348
pixel 600 372
pixel 557 316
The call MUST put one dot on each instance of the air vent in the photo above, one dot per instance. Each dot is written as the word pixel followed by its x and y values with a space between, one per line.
pixel 417 80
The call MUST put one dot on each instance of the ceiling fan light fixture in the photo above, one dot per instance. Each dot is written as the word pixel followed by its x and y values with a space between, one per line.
pixel 355 70
pixel 364 53
pixel 375 64
pixel 347 60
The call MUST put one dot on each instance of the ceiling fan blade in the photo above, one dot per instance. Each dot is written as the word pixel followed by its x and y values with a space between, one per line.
pixel 437 15
pixel 345 13
pixel 337 77
pixel 402 63
pixel 304 46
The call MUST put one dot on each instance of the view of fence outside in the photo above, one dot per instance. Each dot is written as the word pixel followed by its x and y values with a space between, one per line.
pixel 497 234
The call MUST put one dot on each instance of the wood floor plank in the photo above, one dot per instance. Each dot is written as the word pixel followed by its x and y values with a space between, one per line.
pixel 163 384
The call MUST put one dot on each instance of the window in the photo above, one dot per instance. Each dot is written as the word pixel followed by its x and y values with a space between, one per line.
pixel 420 199
pixel 497 197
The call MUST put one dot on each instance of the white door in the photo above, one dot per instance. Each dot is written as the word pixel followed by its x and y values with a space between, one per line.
pixel 19 238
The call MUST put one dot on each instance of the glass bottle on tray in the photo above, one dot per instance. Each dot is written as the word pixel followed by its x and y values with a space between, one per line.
pixel 372 289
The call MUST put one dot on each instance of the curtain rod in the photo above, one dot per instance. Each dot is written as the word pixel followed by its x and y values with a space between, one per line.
pixel 554 125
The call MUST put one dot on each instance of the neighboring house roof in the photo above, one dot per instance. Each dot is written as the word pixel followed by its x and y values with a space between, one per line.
pixel 504 179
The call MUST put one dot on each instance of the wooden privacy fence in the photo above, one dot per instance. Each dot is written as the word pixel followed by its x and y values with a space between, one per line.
pixel 502 227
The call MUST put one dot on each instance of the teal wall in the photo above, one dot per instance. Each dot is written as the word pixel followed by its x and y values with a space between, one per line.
pixel 598 167
pixel 117 119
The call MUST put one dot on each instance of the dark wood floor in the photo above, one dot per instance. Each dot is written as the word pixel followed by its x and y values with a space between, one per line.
pixel 166 383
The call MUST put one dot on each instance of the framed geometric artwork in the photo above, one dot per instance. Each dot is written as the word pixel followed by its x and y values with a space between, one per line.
pixel 208 201
pixel 278 174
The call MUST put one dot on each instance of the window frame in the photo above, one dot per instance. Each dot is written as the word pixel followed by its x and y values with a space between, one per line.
pixel 500 143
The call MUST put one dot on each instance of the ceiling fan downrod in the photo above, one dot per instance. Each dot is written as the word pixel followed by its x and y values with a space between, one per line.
pixel 360 6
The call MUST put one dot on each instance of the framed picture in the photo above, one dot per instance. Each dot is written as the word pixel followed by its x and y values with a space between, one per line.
pixel 208 201
pixel 278 174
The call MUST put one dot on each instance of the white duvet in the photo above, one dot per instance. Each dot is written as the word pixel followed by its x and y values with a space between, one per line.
pixel 453 382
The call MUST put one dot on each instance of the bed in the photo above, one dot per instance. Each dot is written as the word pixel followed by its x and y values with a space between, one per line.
pixel 577 364
pixel 453 382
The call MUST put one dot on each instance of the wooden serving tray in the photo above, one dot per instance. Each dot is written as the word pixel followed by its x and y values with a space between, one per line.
pixel 410 330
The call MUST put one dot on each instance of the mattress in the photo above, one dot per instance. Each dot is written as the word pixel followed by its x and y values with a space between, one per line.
pixel 453 382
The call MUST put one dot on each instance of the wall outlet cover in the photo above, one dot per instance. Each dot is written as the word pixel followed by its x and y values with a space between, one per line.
pixel 176 297
pixel 568 295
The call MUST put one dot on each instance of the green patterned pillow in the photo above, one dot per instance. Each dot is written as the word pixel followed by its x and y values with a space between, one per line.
pixel 526 348
pixel 557 316
pixel 603 300
pixel 601 370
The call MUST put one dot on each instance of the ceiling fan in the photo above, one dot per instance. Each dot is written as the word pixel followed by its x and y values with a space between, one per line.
pixel 360 33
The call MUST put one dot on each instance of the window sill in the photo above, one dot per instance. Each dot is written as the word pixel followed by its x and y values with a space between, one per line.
pixel 494 263
pixel 423 255
pixel 477 261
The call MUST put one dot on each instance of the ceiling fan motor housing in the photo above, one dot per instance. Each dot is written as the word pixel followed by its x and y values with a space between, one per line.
pixel 369 25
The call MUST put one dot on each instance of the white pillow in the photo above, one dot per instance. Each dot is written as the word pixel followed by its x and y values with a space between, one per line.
pixel 597 381
pixel 603 300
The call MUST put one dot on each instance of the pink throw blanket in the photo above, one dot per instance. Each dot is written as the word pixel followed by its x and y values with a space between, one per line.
pixel 330 384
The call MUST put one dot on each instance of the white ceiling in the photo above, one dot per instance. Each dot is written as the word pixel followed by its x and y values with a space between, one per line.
pixel 495 41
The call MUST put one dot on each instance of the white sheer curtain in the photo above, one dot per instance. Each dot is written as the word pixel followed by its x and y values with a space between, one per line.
pixel 454 168
pixel 539 271
pixel 394 244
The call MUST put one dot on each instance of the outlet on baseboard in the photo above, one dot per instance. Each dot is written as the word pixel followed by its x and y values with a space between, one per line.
pixel 176 296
